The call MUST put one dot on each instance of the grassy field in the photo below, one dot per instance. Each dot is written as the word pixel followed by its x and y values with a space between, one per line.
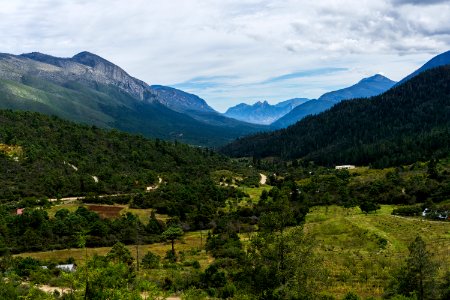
pixel 255 192
pixel 143 214
pixel 361 251
pixel 191 244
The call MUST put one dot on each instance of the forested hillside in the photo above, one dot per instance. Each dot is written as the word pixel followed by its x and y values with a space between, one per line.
pixel 408 123
pixel 48 157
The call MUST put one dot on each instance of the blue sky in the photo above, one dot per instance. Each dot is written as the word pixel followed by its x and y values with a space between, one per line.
pixel 232 51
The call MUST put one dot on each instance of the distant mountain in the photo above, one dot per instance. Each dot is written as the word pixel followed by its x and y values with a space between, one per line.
pixel 262 112
pixel 408 123
pixel 180 101
pixel 89 89
pixel 197 108
pixel 311 107
pixel 367 87
pixel 437 61
pixel 292 103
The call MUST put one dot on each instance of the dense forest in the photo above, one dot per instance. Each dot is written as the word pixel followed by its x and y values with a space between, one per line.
pixel 44 156
pixel 409 123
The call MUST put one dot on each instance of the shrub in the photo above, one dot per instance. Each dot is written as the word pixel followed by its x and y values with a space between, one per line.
pixel 151 260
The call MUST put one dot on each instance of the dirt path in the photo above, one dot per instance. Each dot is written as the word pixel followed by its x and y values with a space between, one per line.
pixel 263 178
pixel 154 187
pixel 68 200
pixel 51 289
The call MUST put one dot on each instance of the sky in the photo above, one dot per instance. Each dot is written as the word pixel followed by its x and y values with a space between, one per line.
pixel 233 51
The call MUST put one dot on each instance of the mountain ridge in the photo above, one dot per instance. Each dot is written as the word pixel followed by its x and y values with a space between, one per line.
pixel 437 61
pixel 261 112
pixel 89 89
pixel 408 123
pixel 366 87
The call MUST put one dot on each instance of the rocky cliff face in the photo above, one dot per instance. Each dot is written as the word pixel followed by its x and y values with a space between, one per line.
pixel 84 67
pixel 180 101
pixel 101 69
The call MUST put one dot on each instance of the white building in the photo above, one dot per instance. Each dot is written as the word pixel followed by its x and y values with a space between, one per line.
pixel 345 167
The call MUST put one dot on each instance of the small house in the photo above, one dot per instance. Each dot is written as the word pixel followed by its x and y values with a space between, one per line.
pixel 67 267
pixel 345 167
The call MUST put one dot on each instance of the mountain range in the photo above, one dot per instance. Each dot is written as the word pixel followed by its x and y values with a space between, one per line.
pixel 263 112
pixel 89 89
pixel 367 87
pixel 408 123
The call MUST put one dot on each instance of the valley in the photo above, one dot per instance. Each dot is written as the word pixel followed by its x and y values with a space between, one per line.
pixel 93 212
pixel 235 150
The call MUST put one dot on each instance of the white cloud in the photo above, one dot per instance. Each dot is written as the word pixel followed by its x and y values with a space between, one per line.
pixel 238 44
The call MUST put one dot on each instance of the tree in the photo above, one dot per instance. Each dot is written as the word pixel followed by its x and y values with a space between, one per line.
pixel 282 265
pixel 418 276
pixel 432 171
pixel 368 205
pixel 446 286
pixel 150 260
pixel 172 233
pixel 120 254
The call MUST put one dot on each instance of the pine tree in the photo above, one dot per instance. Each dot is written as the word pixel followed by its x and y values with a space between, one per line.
pixel 419 275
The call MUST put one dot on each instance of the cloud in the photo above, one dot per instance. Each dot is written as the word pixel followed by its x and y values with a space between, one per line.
pixel 191 44
pixel 306 73
pixel 419 2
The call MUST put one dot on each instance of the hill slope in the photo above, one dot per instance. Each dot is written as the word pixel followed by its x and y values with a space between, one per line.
pixel 437 61
pixel 311 107
pixel 47 156
pixel 367 87
pixel 408 123
pixel 89 89
pixel 180 101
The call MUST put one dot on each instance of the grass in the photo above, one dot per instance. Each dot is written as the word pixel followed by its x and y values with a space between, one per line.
pixel 255 192
pixel 70 206
pixel 361 251
pixel 143 214
pixel 192 242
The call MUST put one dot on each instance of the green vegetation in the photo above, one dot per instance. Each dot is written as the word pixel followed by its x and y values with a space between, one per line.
pixel 406 124
pixel 169 219
pixel 85 100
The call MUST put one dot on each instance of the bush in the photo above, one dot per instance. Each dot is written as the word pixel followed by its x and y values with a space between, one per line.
pixel 196 264
pixel 171 256
pixel 351 296
pixel 410 210
pixel 150 260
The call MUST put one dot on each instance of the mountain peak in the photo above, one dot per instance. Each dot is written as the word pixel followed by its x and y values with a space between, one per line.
pixel 262 103
pixel 376 78
pixel 90 59
pixel 367 87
